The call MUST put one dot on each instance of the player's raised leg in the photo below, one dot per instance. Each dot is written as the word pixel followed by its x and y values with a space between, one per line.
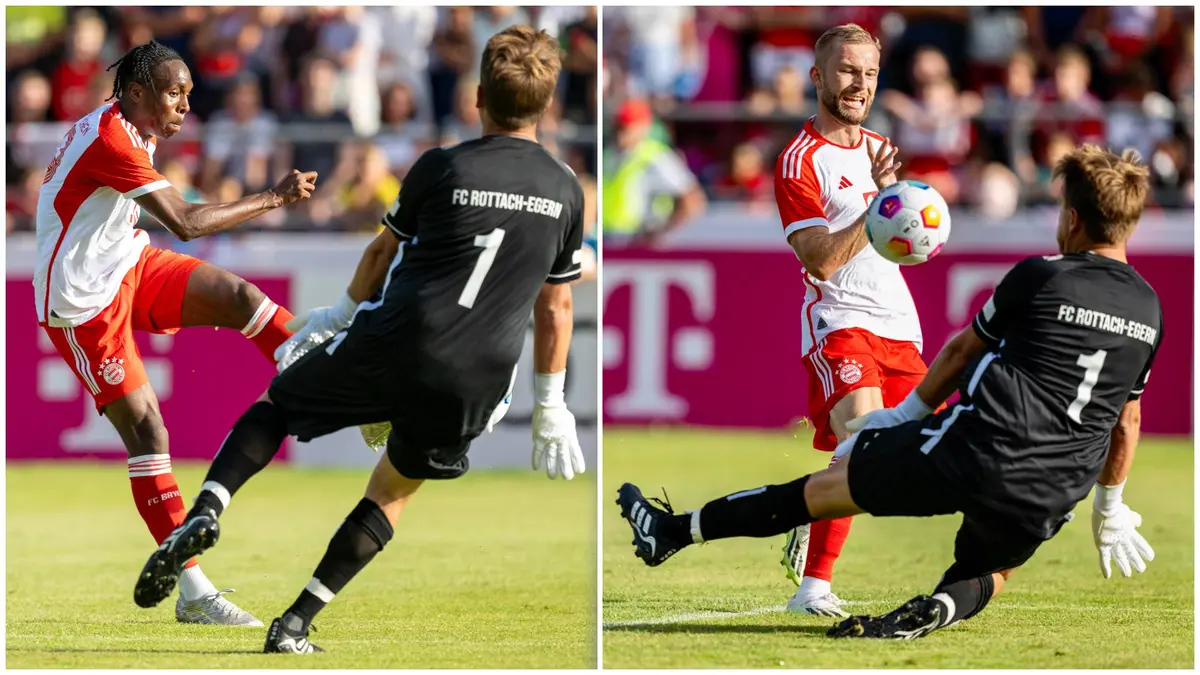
pixel 363 534
pixel 216 297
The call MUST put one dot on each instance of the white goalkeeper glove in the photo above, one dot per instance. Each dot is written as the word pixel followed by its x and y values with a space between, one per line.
pixel 312 328
pixel 912 408
pixel 555 443
pixel 1114 528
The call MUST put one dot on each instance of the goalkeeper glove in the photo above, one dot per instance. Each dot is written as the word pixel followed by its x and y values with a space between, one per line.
pixel 314 327
pixel 555 443
pixel 1114 528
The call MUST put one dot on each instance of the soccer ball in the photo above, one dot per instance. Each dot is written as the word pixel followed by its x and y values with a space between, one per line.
pixel 908 223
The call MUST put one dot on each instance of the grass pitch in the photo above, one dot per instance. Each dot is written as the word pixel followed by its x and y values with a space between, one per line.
pixel 720 605
pixel 496 569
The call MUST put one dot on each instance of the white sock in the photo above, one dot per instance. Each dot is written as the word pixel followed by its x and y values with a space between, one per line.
pixel 812 587
pixel 193 585
pixel 948 604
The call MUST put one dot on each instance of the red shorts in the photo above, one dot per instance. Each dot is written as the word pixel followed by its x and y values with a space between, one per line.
pixel 853 358
pixel 101 351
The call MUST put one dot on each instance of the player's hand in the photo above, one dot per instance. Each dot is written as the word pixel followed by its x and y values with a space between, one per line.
pixel 883 163
pixel 555 443
pixel 312 328
pixel 1116 536
pixel 296 186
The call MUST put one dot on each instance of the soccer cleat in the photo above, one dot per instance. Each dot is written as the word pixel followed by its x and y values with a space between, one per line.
pixel 822 605
pixel 916 618
pixel 214 610
pixel 285 639
pixel 161 572
pixel 653 544
pixel 795 550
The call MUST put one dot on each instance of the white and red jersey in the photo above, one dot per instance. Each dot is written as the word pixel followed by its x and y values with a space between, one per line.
pixel 86 240
pixel 820 183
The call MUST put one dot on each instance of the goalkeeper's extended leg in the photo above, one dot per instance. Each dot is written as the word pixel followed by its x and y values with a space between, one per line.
pixel 760 512
pixel 361 536
pixel 952 601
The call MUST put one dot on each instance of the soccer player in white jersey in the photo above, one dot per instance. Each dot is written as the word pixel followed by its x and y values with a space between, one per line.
pixel 861 336
pixel 98 280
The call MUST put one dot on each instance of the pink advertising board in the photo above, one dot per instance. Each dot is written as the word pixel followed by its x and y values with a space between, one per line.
pixel 205 380
pixel 711 337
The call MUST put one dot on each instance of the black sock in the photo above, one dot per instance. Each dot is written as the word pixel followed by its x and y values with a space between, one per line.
pixel 761 512
pixel 363 534
pixel 250 446
pixel 963 599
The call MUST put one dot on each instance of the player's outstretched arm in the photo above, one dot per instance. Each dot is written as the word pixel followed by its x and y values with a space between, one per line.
pixel 373 266
pixel 555 442
pixel 1114 524
pixel 188 221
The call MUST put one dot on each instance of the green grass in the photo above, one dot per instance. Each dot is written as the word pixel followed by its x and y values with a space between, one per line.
pixel 496 569
pixel 1057 612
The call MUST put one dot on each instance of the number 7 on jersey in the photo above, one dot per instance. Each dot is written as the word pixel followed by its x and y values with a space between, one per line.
pixel 490 243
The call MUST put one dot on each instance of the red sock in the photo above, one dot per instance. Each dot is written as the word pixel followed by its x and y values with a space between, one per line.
pixel 825 541
pixel 267 328
pixel 157 495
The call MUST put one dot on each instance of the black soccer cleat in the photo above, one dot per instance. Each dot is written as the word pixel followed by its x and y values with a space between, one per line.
pixel 653 544
pixel 161 572
pixel 914 619
pixel 289 637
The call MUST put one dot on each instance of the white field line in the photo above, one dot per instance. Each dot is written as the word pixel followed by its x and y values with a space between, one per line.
pixel 712 616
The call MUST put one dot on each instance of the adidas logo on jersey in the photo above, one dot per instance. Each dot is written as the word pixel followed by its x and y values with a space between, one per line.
pixel 845 183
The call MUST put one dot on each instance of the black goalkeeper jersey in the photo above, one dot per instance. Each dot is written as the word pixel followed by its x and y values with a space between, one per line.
pixel 483 225
pixel 1072 338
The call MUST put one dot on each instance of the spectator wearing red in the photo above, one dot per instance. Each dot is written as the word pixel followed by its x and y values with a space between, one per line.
pixel 747 179
pixel 72 79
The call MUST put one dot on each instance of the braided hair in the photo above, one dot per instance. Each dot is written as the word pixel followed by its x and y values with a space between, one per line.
pixel 138 65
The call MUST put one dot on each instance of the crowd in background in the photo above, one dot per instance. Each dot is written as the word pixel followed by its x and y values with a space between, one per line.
pixel 981 101
pixel 354 93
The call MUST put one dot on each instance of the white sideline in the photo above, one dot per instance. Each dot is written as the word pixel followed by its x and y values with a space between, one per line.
pixel 706 616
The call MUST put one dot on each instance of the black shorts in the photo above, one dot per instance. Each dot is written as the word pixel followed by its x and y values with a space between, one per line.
pixel 892 474
pixel 325 392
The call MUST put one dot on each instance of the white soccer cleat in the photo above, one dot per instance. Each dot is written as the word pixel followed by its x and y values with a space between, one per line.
pixel 820 605
pixel 214 610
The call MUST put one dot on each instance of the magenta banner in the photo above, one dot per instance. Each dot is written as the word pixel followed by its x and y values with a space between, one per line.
pixel 205 379
pixel 712 337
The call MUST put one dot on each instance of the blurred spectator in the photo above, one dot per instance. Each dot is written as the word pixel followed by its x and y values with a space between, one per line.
pixel 487 21
pixel 240 140
pixel 404 56
pixel 994 35
pixel 21 200
pixel 181 179
pixel 371 192
pixel 786 37
pixel 1060 144
pixel 747 178
pixel 465 124
pixel 582 52
pixel 1066 103
pixel 31 33
pixel 1050 28
pixel 221 47
pixel 934 130
pixel 319 149
pixel 454 55
pixel 999 193
pixel 664 50
pixel 354 43
pixel 648 191
pixel 1140 118
pixel 401 138
pixel 1125 35
pixel 72 78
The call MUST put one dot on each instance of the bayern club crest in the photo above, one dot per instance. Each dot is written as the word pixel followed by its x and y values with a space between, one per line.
pixel 850 371
pixel 112 370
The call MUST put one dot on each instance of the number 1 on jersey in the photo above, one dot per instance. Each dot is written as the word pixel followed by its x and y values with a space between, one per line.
pixel 1091 364
pixel 490 243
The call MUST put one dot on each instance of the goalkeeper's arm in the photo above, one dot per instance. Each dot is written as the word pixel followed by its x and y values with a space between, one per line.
pixel 1121 448
pixel 373 267
pixel 553 322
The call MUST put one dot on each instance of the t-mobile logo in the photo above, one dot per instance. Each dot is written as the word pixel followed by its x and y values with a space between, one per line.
pixel 650 345
pixel 57 383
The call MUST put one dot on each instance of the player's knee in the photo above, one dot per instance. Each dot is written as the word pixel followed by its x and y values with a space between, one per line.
pixel 827 493
pixel 247 296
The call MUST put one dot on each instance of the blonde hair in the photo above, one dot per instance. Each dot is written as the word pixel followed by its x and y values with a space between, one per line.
pixel 518 74
pixel 1107 192
pixel 845 34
